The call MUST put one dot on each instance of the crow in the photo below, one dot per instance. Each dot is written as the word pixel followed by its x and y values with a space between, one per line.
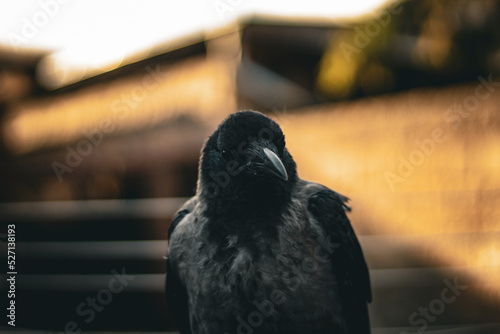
pixel 259 250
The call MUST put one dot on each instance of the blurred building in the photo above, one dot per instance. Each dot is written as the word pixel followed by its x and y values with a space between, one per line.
pixel 383 107
pixel 261 65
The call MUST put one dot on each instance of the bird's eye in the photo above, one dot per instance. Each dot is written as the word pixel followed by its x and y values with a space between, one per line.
pixel 281 143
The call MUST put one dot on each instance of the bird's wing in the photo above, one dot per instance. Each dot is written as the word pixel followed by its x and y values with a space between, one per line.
pixel 349 266
pixel 176 293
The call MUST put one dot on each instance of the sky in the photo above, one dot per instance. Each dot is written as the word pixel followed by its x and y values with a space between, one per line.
pixel 105 34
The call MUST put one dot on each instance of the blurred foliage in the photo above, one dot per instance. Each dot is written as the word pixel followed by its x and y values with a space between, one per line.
pixel 412 44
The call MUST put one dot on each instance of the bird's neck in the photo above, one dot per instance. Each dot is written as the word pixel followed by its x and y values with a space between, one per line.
pixel 246 199
pixel 248 220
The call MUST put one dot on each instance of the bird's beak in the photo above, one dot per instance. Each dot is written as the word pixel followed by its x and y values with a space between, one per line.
pixel 274 164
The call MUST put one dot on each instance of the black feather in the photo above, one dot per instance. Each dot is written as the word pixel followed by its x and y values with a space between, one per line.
pixel 260 250
pixel 176 293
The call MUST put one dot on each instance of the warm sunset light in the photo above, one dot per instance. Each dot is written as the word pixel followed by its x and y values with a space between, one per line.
pixel 419 173
pixel 162 93
pixel 90 45
pixel 106 110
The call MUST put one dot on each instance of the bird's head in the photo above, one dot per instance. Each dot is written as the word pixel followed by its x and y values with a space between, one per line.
pixel 246 155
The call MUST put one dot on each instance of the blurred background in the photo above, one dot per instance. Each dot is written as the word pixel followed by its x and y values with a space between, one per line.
pixel 104 107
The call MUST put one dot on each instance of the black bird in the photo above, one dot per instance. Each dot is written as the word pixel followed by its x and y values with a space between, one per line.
pixel 258 250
